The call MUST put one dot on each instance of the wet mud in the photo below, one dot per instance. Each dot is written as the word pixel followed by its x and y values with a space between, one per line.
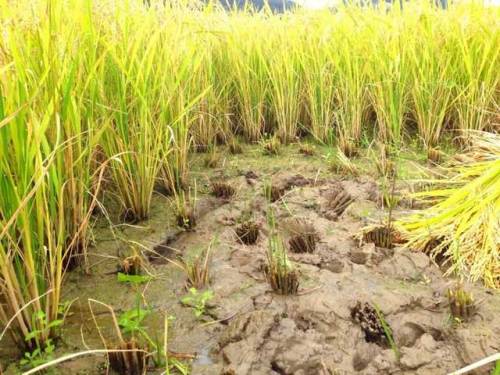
pixel 248 329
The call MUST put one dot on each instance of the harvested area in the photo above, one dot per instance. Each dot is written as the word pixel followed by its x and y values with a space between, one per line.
pixel 351 292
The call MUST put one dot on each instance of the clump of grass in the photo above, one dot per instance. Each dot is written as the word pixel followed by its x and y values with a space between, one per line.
pixel 434 154
pixel 234 146
pixel 280 272
pixel 131 265
pixel 248 232
pixel 284 72
pixel 380 235
pixel 303 236
pixel 222 190
pixel 385 166
pixel 462 305
pixel 271 145
pixel 341 164
pixel 198 268
pixel 307 149
pixel 347 148
pixel 350 99
pixel 385 235
pixel 185 210
pixel 213 158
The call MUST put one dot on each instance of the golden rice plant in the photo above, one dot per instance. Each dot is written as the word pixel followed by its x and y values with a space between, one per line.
pixel 285 92
pixel 389 73
pixel 350 88
pixel 431 90
pixel 474 44
pixel 463 224
pixel 319 86
pixel 280 272
pixel 251 86
pixel 46 143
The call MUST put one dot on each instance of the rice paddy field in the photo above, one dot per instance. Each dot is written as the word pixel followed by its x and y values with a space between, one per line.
pixel 186 189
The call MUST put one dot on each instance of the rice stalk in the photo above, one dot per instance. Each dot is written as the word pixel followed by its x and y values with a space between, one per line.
pixel 463 224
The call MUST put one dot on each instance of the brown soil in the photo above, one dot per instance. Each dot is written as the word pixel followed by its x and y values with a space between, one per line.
pixel 251 329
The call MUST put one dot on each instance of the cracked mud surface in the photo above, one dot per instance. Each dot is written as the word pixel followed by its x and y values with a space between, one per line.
pixel 247 328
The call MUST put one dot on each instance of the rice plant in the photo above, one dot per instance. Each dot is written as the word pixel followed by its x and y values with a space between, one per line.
pixel 319 87
pixel 46 142
pixel 431 90
pixel 350 93
pixel 280 272
pixel 389 74
pixel 463 222
pixel 198 268
pixel 250 79
pixel 462 305
pixel 145 85
pixel 283 70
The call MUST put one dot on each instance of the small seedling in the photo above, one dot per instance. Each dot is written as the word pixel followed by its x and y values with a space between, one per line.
pixel 197 300
pixel 248 232
pixel 387 331
pixel 198 269
pixel 303 236
pixel 462 306
pixel 185 215
pixel 38 356
pixel 271 146
pixel 42 351
pixel 280 273
pixel 222 190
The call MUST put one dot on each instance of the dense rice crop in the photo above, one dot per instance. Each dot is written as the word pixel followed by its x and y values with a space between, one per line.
pixel 137 87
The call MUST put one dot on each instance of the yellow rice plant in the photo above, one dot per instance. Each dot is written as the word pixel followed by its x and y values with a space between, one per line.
pixel 463 224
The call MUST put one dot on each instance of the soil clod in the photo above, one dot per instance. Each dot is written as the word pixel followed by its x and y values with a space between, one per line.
pixel 338 199
pixel 366 316
pixel 303 236
pixel 273 193
pixel 248 232
pixel 381 236
pixel 222 190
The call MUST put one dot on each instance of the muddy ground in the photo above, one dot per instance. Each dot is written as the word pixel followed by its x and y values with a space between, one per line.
pixel 249 329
